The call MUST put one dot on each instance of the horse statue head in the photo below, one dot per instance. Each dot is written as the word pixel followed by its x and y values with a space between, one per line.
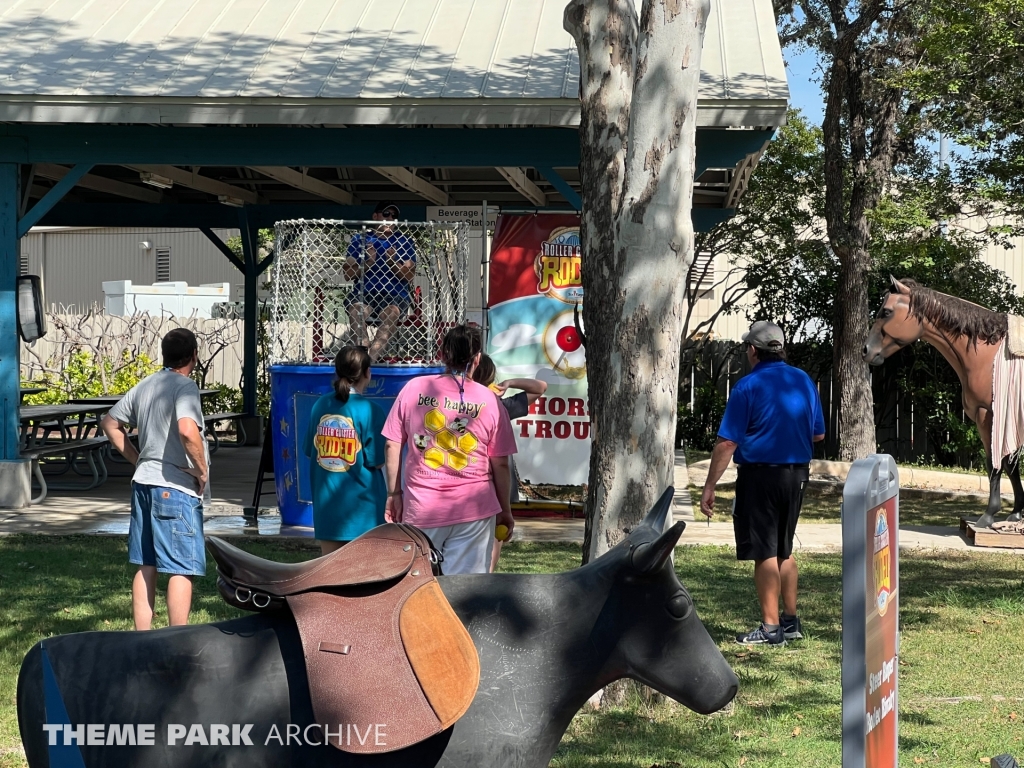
pixel 896 325
pixel 911 312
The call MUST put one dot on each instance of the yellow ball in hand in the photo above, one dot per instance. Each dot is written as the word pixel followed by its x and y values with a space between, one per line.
pixel 501 533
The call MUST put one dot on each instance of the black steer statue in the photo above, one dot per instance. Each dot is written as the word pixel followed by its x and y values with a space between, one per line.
pixel 237 693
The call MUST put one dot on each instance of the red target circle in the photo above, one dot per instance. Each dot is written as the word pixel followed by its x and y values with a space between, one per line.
pixel 568 340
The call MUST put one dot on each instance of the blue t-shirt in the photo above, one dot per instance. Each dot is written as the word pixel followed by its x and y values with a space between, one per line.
pixel 772 415
pixel 379 276
pixel 346 451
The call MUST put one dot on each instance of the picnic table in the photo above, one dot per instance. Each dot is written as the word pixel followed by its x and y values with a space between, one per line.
pixel 27 391
pixel 73 421
pixel 71 425
pixel 210 419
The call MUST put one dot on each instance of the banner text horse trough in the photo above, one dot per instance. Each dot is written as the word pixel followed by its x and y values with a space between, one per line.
pixel 974 340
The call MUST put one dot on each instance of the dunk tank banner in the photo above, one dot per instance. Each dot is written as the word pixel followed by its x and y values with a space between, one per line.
pixel 535 285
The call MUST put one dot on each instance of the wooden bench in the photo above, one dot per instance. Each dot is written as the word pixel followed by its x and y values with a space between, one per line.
pixel 377 633
pixel 89 446
pixel 211 419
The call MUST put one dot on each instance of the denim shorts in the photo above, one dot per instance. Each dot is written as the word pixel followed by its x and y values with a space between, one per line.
pixel 166 530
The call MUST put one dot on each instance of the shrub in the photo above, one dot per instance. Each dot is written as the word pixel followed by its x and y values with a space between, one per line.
pixel 698 428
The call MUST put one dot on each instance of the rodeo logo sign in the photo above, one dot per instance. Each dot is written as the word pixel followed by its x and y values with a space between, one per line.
pixel 558 266
pixel 883 578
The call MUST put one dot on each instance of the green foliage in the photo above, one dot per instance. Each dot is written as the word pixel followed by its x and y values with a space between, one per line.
pixel 227 399
pixel 778 235
pixel 83 376
pixel 776 239
pixel 264 244
pixel 698 428
pixel 969 75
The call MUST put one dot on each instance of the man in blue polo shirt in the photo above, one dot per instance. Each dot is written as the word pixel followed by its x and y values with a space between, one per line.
pixel 771 423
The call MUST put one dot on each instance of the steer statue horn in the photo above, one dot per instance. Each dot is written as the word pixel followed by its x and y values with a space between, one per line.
pixel 195 695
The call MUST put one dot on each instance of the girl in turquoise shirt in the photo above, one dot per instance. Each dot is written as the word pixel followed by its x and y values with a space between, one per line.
pixel 346 452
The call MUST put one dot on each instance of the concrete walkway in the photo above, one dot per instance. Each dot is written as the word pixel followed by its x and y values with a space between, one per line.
pixel 105 511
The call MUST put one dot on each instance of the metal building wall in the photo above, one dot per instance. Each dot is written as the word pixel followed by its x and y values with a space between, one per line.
pixel 74 262
pixel 1009 260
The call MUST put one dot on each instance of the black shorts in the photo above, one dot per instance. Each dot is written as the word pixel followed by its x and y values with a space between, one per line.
pixel 768 500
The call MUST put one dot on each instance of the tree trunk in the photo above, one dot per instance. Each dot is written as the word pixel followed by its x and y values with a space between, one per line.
pixel 638 92
pixel 856 409
pixel 847 203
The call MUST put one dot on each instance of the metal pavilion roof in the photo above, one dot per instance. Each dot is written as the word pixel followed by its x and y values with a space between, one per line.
pixel 326 62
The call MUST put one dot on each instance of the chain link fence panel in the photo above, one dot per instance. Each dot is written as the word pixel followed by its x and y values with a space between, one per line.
pixel 394 287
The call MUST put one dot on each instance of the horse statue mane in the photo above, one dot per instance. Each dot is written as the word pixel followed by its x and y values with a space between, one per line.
pixel 956 315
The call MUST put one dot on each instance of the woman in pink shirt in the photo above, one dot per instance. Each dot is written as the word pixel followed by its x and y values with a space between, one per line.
pixel 454 482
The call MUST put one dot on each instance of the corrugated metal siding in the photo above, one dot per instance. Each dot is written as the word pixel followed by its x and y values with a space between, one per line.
pixel 1009 260
pixel 74 263
pixel 425 49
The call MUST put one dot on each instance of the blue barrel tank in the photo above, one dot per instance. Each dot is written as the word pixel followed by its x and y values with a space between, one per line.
pixel 294 388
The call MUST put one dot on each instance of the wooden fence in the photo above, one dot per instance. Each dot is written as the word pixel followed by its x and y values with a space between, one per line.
pixel 122 339
pixel 900 428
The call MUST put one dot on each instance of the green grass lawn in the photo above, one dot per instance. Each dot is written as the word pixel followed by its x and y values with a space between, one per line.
pixel 962 670
pixel 824 508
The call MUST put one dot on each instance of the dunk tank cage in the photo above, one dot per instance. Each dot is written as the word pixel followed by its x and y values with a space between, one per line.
pixel 326 292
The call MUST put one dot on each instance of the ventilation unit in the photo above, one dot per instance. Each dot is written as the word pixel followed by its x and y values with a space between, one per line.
pixel 163 264
pixel 702 274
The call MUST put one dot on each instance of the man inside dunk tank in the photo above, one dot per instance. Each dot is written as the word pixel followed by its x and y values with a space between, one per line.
pixel 381 264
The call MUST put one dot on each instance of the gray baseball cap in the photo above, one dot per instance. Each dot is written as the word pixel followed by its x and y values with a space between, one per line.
pixel 765 335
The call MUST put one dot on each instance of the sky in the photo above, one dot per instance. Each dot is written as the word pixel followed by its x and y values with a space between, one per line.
pixel 804 92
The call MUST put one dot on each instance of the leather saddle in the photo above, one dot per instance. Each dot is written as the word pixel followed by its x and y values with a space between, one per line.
pixel 389 662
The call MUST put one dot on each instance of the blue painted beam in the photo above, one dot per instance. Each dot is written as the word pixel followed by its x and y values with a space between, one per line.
pixel 250 318
pixel 51 198
pixel 570 194
pixel 221 246
pixel 382 145
pixel 10 373
pixel 270 145
pixel 704 219
pixel 720 148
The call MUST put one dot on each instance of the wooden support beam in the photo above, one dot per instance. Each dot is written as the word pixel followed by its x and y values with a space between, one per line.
pixel 192 180
pixel 405 178
pixel 562 186
pixel 307 183
pixel 521 183
pixel 221 246
pixel 101 184
pixel 52 197
pixel 10 344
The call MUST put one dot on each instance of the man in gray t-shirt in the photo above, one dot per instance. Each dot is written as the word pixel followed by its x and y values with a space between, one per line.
pixel 171 480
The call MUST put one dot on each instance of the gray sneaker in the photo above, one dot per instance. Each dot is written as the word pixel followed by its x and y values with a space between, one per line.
pixel 791 627
pixel 761 636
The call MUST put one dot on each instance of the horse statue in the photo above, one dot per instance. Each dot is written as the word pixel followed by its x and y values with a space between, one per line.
pixel 238 693
pixel 984 348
